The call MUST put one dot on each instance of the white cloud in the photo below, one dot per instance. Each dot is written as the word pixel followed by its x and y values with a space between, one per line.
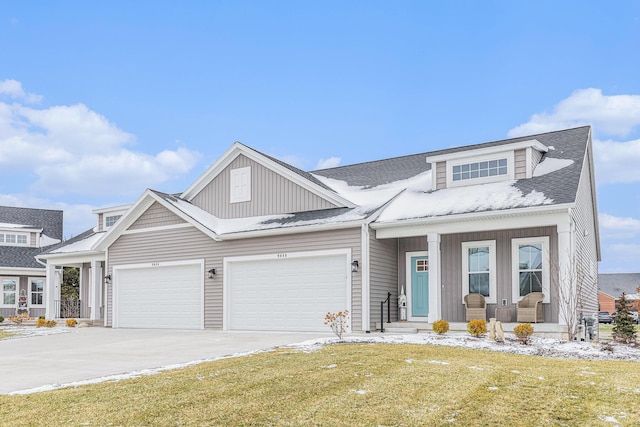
pixel 13 89
pixel 618 227
pixel 610 115
pixel 331 162
pixel 617 115
pixel 74 150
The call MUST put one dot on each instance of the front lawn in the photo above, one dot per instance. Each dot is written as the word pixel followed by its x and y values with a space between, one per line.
pixel 4 334
pixel 353 384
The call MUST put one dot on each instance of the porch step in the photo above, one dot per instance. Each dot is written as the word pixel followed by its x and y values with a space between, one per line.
pixel 401 330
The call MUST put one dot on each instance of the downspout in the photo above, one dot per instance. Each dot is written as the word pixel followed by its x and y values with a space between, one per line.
pixel 366 291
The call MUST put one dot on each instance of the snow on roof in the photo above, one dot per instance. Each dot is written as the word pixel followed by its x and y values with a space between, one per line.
pixel 377 196
pixel 48 241
pixel 83 245
pixel 472 198
pixel 8 225
pixel 550 164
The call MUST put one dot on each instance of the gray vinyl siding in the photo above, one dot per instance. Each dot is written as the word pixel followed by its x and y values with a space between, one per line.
pixel 156 216
pixel 586 245
pixel 191 244
pixel 441 175
pixel 32 239
pixel 535 159
pixel 520 167
pixel 271 193
pixel 451 246
pixel 100 222
pixel 383 276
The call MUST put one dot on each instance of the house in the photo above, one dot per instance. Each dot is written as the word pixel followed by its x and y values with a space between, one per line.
pixel 25 233
pixel 257 244
pixel 611 286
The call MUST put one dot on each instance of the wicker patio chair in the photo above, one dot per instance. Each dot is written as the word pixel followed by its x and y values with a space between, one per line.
pixel 530 308
pixel 475 307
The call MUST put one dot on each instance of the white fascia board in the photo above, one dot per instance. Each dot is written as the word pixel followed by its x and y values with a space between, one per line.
pixel 514 218
pixel 15 271
pixel 111 209
pixel 290 230
pixel 73 258
pixel 237 149
pixel 534 143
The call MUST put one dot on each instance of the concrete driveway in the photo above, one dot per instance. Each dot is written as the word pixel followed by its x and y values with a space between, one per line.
pixel 88 353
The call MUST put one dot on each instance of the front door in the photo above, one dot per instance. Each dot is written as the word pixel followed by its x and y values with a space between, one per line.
pixel 419 287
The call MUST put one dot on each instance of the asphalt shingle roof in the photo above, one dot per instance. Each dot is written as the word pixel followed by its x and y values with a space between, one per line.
pixel 19 257
pixel 615 284
pixel 49 220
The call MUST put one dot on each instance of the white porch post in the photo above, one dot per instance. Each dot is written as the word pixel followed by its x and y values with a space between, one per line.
pixel 52 290
pixel 95 285
pixel 565 257
pixel 435 285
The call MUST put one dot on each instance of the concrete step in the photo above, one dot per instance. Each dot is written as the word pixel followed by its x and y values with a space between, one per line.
pixel 401 330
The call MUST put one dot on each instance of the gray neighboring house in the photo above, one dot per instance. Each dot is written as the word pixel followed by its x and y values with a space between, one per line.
pixel 257 244
pixel 24 234
pixel 612 285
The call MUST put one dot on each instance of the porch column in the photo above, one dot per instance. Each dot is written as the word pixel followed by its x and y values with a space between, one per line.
pixel 565 269
pixel 52 290
pixel 435 285
pixel 95 286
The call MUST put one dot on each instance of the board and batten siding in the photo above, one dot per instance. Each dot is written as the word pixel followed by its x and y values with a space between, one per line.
pixel 383 276
pixel 191 244
pixel 586 245
pixel 271 193
pixel 156 216
pixel 451 246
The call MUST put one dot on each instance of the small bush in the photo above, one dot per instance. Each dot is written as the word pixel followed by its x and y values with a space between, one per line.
pixel 1 319
pixel 338 322
pixel 20 318
pixel 41 322
pixel 50 323
pixel 440 326
pixel 41 317
pixel 523 331
pixel 71 322
pixel 477 327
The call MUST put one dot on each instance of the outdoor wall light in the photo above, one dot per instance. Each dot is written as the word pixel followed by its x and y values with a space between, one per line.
pixel 107 278
pixel 212 273
pixel 354 266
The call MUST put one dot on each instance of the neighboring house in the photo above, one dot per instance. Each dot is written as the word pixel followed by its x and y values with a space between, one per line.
pixel 257 244
pixel 25 233
pixel 611 286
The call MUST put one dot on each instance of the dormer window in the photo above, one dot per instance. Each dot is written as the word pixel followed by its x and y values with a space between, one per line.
pixel 110 220
pixel 480 169
pixel 14 239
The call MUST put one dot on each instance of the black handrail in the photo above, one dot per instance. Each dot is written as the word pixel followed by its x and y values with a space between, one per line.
pixel 388 301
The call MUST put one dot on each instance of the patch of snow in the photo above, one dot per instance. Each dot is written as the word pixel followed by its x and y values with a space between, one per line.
pixel 471 198
pixel 515 372
pixel 608 419
pixel 48 241
pixel 376 196
pixel 549 165
pixel 476 368
pixel 22 331
pixel 493 388
pixel 81 245
pixel 359 391
pixel 10 225
pixel 409 360
pixel 438 362
pixel 329 366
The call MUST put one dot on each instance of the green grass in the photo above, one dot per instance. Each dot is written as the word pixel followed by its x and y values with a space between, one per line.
pixel 352 385
pixel 4 334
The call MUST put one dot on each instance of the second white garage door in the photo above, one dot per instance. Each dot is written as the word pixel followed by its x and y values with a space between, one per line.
pixel 166 296
pixel 286 294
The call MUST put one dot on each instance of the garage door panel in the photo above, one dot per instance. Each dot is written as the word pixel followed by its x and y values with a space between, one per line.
pixel 287 294
pixel 160 297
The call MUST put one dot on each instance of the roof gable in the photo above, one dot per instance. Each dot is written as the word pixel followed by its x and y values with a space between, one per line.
pixel 303 179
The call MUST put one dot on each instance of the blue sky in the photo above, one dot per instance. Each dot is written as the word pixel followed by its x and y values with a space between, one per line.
pixel 99 101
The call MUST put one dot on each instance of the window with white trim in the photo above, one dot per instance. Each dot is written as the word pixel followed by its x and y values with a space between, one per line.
pixel 110 220
pixel 9 291
pixel 530 257
pixel 17 239
pixel 479 269
pixel 240 180
pixel 36 292
pixel 480 169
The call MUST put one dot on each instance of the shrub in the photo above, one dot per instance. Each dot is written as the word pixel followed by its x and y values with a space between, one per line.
pixel 624 329
pixel 41 322
pixel 440 326
pixel 20 318
pixel 71 322
pixel 50 323
pixel 477 327
pixel 1 319
pixel 523 331
pixel 338 322
pixel 41 317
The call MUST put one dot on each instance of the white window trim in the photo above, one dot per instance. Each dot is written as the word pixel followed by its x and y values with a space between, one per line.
pixel 509 155
pixel 17 292
pixel 44 283
pixel 493 288
pixel 13 233
pixel 546 275
pixel 234 175
pixel 110 215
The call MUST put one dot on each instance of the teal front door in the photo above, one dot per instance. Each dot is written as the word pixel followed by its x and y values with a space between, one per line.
pixel 419 286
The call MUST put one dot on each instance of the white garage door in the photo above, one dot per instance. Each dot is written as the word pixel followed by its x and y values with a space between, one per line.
pixel 168 296
pixel 290 294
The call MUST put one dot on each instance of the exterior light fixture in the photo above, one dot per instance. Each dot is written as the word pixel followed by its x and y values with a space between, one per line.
pixel 107 278
pixel 212 273
pixel 354 266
